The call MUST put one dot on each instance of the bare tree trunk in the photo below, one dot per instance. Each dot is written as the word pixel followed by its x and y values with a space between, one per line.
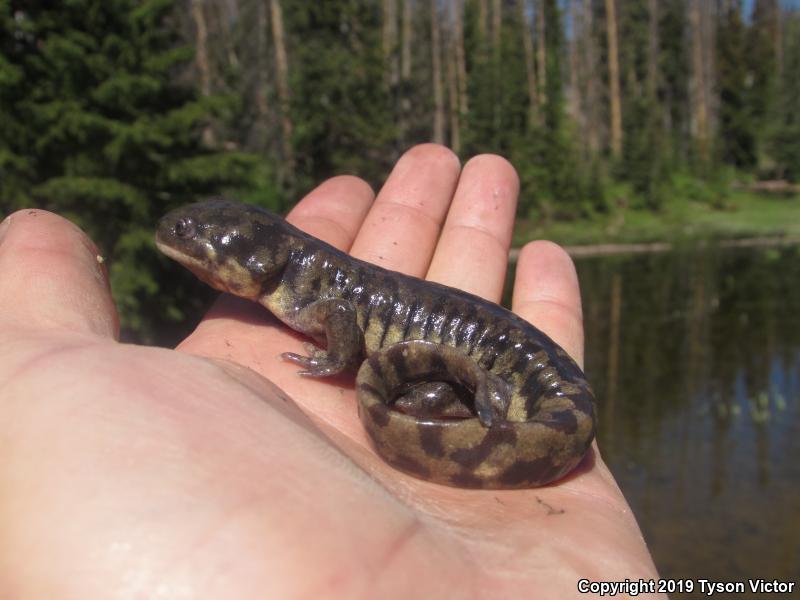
pixel 436 60
pixel 262 76
pixel 613 79
pixel 282 76
pixel 578 74
pixel 779 43
pixel 592 84
pixel 497 23
pixel 483 18
pixel 201 47
pixel 652 49
pixel 405 63
pixel 458 26
pixel 201 60
pixel 708 21
pixel 222 15
pixel 541 50
pixel 698 82
pixel 530 68
pixel 574 69
pixel 405 71
pixel 390 43
pixel 452 92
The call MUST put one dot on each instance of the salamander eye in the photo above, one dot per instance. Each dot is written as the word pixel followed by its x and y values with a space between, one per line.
pixel 185 228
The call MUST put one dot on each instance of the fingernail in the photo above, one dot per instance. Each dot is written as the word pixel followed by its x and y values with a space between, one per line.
pixel 4 225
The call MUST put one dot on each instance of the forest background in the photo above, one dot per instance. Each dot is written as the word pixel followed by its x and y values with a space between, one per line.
pixel 614 112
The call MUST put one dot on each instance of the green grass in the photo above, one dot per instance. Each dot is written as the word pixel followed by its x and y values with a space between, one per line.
pixel 739 215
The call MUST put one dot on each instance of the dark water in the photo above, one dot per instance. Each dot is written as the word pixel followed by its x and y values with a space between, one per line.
pixel 695 358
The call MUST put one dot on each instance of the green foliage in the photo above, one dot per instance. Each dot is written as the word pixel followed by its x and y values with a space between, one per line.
pixel 340 110
pixel 94 125
pixel 713 190
pixel 99 119
pixel 558 151
pixel 673 84
pixel 737 144
pixel 785 136
pixel 497 120
pixel 763 97
pixel 543 151
pixel 645 152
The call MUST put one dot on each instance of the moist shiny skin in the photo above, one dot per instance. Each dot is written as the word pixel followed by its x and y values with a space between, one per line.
pixel 451 388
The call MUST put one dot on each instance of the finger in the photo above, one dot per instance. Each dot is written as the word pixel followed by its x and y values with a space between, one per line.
pixel 401 230
pixel 472 253
pixel 546 293
pixel 334 211
pixel 52 276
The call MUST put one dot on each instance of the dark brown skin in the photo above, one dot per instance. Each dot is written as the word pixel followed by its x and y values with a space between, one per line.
pixel 508 408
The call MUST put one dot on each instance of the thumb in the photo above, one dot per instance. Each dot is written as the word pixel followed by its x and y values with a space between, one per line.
pixel 52 277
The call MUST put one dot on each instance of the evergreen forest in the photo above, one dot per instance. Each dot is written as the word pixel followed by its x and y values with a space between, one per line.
pixel 114 111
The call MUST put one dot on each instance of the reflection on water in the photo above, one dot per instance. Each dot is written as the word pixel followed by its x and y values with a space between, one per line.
pixel 695 359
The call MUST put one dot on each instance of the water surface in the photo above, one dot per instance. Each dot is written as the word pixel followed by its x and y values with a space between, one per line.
pixel 695 359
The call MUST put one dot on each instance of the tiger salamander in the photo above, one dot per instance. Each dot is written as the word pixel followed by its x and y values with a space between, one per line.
pixel 451 388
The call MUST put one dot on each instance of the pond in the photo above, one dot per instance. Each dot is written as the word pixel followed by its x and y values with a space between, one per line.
pixel 695 359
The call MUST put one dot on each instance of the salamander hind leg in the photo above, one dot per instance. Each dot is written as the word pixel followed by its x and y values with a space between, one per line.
pixel 334 320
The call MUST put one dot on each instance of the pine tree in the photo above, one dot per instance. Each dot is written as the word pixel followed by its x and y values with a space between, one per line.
pixel 94 126
pixel 736 136
pixel 482 89
pixel 643 153
pixel 674 69
pixel 761 59
pixel 786 136
pixel 563 181
pixel 342 114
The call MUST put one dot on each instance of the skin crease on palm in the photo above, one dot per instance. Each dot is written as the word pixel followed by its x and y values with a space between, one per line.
pixel 214 471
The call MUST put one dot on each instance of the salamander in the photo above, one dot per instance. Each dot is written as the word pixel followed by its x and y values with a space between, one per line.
pixel 450 387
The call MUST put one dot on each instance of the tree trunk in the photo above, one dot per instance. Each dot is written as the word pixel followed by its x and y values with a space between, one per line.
pixel 613 79
pixel 405 71
pixel 541 51
pixel 652 49
pixel 698 82
pixel 390 44
pixel 574 69
pixel 461 61
pixel 201 60
pixel 592 80
pixel 282 76
pixel 452 92
pixel 262 76
pixel 436 61
pixel 222 16
pixel 779 43
pixel 497 23
pixel 530 68
pixel 708 24
pixel 483 19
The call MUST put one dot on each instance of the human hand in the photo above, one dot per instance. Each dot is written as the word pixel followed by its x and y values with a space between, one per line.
pixel 128 471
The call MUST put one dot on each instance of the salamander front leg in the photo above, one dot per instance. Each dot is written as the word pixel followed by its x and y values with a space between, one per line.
pixel 335 320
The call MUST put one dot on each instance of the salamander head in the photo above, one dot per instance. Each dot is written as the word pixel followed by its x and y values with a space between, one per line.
pixel 231 246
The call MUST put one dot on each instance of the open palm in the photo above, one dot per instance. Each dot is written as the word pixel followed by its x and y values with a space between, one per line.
pixel 214 471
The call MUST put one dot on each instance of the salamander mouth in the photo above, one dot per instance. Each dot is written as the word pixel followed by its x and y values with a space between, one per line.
pixel 200 267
